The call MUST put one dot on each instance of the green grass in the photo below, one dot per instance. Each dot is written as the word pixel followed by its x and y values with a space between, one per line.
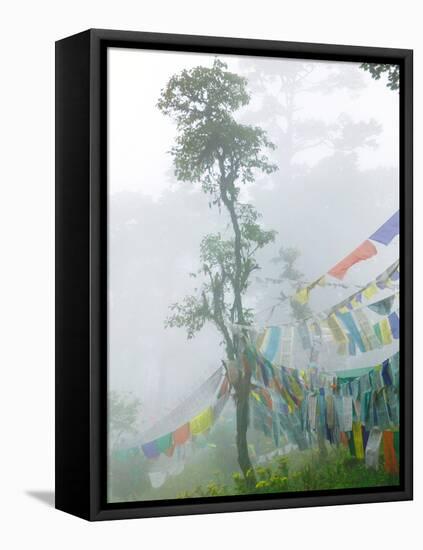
pixel 302 471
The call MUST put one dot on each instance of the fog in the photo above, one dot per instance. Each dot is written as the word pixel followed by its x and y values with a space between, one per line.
pixel 336 132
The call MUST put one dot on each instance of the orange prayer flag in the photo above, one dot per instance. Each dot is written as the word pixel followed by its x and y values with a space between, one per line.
pixel 365 251
pixel 181 435
pixel 391 463
pixel 344 439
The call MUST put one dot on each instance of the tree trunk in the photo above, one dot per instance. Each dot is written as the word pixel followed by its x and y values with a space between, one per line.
pixel 242 390
pixel 243 386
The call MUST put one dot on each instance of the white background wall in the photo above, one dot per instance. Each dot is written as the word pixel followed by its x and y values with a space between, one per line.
pixel 27 37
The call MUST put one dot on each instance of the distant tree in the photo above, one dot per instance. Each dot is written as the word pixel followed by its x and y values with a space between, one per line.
pixel 392 72
pixel 282 92
pixel 287 259
pixel 123 412
pixel 220 155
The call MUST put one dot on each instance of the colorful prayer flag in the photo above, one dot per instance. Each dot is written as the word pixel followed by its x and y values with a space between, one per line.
pixel 363 252
pixel 387 231
pixel 202 422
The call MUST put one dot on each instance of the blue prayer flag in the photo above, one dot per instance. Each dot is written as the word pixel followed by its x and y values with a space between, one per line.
pixel 387 231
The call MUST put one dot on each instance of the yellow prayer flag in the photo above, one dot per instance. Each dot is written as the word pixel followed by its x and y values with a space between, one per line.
pixel 302 295
pixel 202 422
pixel 336 329
pixel 385 330
pixel 343 309
pixel 370 291
pixel 358 440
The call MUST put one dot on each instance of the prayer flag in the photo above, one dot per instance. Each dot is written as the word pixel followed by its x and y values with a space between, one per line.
pixel 383 307
pixel 202 422
pixel 302 295
pixel 372 448
pixel 271 343
pixel 370 291
pixel 336 329
pixel 385 331
pixel 363 252
pixel 150 449
pixel 164 443
pixel 391 464
pixel 387 231
pixel 181 435
pixel 349 323
pixel 394 324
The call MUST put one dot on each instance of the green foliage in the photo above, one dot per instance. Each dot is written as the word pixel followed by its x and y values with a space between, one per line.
pixel 378 69
pixel 214 299
pixel 123 411
pixel 304 471
pixel 127 480
pixel 210 143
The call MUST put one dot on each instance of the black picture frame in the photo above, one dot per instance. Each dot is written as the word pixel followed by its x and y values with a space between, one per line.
pixel 81 271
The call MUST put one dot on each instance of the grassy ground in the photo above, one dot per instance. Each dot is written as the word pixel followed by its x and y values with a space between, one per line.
pixel 304 471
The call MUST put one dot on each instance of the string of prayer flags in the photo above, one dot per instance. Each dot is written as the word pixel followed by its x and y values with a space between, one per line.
pixel 384 235
pixel 345 406
pixel 353 330
pixel 384 280
pixel 363 252
pixel 387 279
pixel 194 403
pixel 387 231
pixel 199 424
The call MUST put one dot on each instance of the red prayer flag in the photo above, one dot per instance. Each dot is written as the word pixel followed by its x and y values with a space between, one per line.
pixel 365 251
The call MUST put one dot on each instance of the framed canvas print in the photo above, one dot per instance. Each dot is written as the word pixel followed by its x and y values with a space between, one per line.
pixel 233 274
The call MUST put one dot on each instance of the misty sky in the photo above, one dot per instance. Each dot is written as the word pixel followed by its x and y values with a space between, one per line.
pixel 325 199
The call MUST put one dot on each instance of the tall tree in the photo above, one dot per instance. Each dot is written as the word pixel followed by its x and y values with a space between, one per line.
pixel 391 71
pixel 221 155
